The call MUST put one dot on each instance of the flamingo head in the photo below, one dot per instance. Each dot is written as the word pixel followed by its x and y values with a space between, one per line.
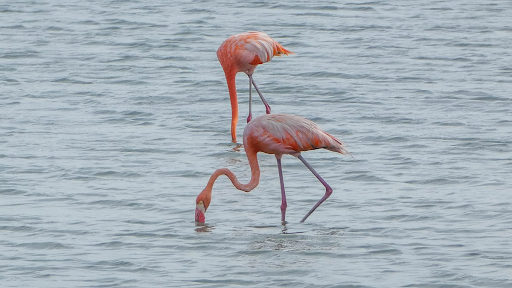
pixel 202 203
pixel 200 211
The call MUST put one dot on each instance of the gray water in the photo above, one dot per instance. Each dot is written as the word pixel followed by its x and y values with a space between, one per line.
pixel 113 114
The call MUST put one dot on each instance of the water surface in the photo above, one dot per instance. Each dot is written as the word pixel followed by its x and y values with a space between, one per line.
pixel 113 114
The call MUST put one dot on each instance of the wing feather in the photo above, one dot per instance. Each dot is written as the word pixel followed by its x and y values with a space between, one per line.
pixel 289 134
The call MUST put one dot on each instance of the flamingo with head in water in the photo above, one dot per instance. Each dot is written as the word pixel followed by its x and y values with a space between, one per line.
pixel 242 53
pixel 275 134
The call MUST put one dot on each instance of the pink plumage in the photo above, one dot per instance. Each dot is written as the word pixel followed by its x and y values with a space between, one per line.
pixel 275 134
pixel 242 53
pixel 289 134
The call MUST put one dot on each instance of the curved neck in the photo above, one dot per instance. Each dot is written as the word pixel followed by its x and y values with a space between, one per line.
pixel 255 176
pixel 230 79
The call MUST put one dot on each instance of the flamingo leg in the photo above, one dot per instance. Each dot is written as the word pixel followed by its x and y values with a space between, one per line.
pixel 259 92
pixel 283 195
pixel 250 101
pixel 328 189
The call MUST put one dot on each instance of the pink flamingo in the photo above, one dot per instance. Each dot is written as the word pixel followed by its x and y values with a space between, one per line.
pixel 242 53
pixel 275 134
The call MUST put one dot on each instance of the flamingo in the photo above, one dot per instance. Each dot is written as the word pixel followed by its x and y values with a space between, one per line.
pixel 276 134
pixel 242 53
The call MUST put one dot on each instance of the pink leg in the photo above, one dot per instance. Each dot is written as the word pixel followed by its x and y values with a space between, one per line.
pixel 328 189
pixel 250 101
pixel 259 92
pixel 283 195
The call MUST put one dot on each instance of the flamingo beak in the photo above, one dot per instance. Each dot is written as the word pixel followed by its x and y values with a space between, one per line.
pixel 200 211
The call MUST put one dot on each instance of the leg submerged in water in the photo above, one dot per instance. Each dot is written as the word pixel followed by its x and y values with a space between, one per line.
pixel 283 194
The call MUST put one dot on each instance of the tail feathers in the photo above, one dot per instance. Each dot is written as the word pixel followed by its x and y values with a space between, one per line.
pixel 340 148
pixel 280 50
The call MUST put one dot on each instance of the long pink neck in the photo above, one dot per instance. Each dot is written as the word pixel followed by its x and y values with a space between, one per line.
pixel 255 175
pixel 230 79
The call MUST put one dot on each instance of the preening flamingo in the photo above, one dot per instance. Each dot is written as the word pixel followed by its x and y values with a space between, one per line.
pixel 275 134
pixel 242 53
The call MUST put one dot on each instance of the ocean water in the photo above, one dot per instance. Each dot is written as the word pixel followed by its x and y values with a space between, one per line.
pixel 113 115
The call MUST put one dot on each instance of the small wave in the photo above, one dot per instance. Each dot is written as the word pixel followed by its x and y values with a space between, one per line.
pixel 19 55
pixel 22 228
pixel 365 178
pixel 390 251
pixel 44 245
pixel 14 27
pixel 491 98
pixel 11 191
pixel 434 181
pixel 70 81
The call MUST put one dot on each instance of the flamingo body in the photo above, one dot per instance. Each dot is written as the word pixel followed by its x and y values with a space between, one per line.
pixel 276 134
pixel 288 134
pixel 242 53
